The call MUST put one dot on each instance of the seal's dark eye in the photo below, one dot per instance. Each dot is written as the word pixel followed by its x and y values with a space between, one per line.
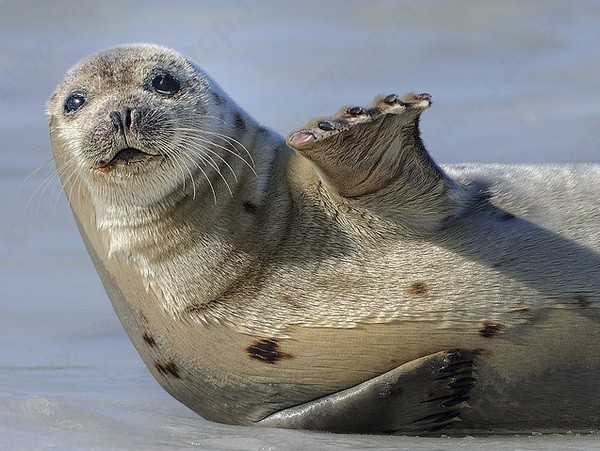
pixel 74 102
pixel 165 84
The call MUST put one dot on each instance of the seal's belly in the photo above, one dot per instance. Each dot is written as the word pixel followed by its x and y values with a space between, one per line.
pixel 262 376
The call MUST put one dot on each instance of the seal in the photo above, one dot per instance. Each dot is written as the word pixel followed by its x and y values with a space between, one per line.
pixel 338 280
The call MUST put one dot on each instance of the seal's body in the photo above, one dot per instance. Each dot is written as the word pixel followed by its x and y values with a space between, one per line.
pixel 338 281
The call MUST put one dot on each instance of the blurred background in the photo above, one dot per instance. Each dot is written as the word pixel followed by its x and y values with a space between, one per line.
pixel 512 82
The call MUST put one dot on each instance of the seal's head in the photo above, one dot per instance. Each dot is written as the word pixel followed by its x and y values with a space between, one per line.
pixel 130 121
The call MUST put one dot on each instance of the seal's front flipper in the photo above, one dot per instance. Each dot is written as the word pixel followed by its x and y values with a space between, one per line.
pixel 374 157
pixel 422 396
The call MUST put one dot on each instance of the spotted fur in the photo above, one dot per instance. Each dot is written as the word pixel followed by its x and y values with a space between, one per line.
pixel 266 350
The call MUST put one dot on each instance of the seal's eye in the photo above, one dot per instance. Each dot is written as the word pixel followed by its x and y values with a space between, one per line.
pixel 74 102
pixel 165 84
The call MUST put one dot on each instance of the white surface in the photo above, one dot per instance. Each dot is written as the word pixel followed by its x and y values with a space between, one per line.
pixel 512 82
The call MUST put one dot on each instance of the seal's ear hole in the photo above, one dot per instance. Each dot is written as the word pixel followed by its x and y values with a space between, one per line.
pixel 165 84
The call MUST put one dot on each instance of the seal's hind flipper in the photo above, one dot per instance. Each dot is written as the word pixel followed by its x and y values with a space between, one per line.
pixel 374 157
pixel 422 396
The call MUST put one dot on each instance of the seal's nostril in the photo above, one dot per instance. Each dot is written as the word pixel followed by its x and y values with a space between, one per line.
pixel 126 117
pixel 123 120
pixel 115 118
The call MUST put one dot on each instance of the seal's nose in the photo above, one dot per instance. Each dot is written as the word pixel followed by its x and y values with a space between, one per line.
pixel 123 120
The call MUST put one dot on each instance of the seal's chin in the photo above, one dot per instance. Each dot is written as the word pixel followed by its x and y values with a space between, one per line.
pixel 126 156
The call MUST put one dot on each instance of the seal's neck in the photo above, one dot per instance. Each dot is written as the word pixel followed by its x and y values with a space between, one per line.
pixel 169 239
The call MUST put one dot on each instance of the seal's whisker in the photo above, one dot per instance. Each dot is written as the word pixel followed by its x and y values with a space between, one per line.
pixel 73 183
pixel 224 136
pixel 196 150
pixel 183 160
pixel 180 164
pixel 197 134
pixel 49 178
pixel 200 150
pixel 201 139
pixel 216 154
pixel 38 169
pixel 53 190
pixel 211 186
pixel 208 180
pixel 175 151
pixel 69 180
pixel 79 184
pixel 48 183
pixel 213 164
pixel 229 138
pixel 176 159
pixel 70 164
pixel 39 189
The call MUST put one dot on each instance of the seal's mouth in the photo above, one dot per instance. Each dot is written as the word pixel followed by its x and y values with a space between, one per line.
pixel 128 155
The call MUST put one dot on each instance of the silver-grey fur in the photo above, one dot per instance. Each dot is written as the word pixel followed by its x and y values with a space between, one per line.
pixel 298 289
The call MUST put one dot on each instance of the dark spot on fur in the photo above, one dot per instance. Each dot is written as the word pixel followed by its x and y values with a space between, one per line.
pixel 168 369
pixel 217 98
pixel 239 121
pixel 506 216
pixel 250 208
pixel 583 301
pixel 266 350
pixel 149 339
pixel 418 289
pixel 490 329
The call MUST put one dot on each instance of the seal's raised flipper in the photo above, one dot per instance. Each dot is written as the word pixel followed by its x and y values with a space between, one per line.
pixel 422 396
pixel 375 158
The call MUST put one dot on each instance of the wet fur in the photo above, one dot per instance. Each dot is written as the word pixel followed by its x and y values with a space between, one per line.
pixel 324 284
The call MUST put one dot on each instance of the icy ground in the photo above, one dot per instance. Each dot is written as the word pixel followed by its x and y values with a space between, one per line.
pixel 513 81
